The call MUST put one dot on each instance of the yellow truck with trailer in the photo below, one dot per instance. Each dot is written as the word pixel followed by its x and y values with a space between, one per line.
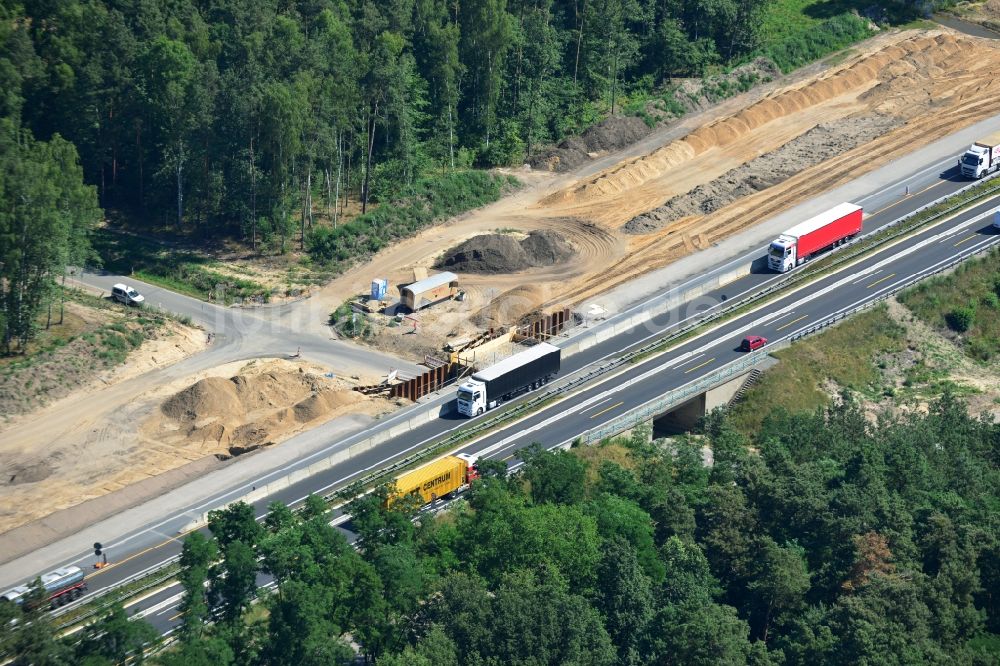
pixel 436 479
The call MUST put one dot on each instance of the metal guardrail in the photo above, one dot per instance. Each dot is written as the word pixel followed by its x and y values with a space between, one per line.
pixel 647 410
pixel 565 386
pixel 829 321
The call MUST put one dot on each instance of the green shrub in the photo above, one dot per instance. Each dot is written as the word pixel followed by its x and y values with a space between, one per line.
pixel 429 199
pixel 831 35
pixel 961 319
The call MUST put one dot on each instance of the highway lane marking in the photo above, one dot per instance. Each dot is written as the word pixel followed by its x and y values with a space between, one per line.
pixel 887 277
pixel 867 276
pixel 155 609
pixel 216 500
pixel 507 458
pixel 595 405
pixel 911 195
pixel 691 359
pixel 966 239
pixel 700 365
pixel 617 404
pixel 784 326
pixel 176 616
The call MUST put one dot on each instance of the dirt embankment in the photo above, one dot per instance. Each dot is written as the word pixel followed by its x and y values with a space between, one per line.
pixel 611 134
pixel 819 144
pixel 504 253
pixel 258 407
pixel 895 93
pixel 158 434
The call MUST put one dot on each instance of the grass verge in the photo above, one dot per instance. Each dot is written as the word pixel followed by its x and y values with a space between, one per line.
pixel 964 304
pixel 183 271
pixel 845 354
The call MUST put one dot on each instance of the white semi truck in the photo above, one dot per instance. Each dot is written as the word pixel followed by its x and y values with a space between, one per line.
pixel 982 158
pixel 498 383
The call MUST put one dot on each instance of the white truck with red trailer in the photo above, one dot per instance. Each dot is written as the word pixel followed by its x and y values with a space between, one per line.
pixel 982 158
pixel 816 234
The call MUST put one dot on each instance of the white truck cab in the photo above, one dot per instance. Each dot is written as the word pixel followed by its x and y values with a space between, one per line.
pixel 996 219
pixel 975 163
pixel 472 398
pixel 781 255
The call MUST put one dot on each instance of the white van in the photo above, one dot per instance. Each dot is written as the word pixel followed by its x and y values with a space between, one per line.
pixel 127 295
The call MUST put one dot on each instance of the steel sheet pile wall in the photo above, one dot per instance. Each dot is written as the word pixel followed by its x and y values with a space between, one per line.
pixel 419 386
pixel 546 326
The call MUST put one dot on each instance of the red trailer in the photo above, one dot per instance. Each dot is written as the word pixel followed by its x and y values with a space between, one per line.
pixel 815 234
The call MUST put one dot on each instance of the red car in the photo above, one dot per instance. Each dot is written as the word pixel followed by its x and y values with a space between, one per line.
pixel 752 342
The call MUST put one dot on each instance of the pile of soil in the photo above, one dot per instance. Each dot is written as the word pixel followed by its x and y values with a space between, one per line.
pixel 511 307
pixel 610 134
pixel 819 144
pixel 247 411
pixel 503 253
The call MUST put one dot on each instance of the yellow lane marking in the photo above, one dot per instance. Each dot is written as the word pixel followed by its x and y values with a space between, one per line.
pixel 112 565
pixel 913 194
pixel 617 404
pixel 700 365
pixel 966 239
pixel 890 275
pixel 791 322
pixel 175 616
pixel 508 457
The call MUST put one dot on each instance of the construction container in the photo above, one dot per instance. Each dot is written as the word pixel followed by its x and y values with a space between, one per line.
pixel 429 291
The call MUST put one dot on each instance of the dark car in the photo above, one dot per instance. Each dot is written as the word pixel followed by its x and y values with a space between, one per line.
pixel 752 342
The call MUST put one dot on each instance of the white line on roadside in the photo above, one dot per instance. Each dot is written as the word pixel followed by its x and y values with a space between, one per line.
pixel 217 500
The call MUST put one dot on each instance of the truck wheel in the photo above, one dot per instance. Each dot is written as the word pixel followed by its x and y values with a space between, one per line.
pixel 479 412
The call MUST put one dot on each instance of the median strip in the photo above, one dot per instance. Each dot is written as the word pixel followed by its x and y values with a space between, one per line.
pixel 862 246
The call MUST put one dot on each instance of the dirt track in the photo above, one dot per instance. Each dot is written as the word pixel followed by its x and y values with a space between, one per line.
pixel 934 83
pixel 926 83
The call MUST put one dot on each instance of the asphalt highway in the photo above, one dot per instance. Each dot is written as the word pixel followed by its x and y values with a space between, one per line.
pixel 157 542
pixel 606 399
pixel 876 275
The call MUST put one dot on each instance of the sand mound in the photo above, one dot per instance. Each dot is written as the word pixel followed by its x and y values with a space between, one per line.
pixel 503 253
pixel 510 307
pixel 815 146
pixel 911 55
pixel 249 410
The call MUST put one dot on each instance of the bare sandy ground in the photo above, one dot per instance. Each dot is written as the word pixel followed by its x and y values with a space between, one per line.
pixel 931 82
pixel 226 410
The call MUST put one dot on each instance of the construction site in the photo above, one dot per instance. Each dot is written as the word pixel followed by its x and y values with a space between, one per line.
pixel 550 245
pixel 466 293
